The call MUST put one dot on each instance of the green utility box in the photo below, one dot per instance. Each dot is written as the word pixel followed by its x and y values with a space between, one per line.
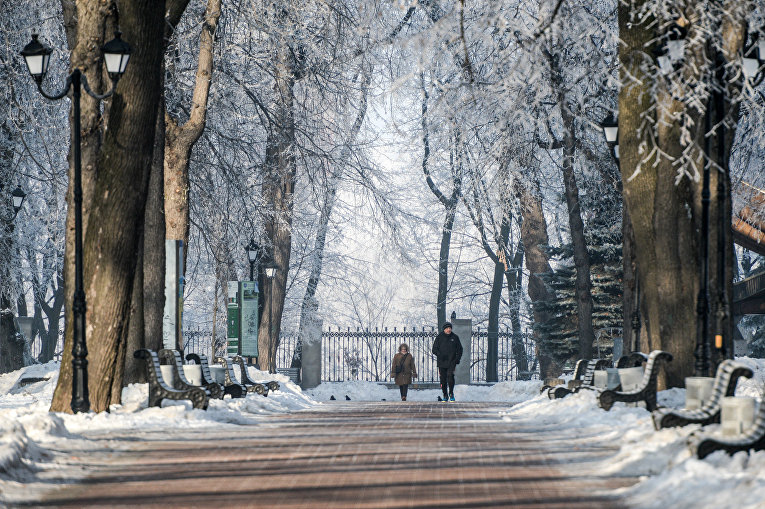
pixel 242 318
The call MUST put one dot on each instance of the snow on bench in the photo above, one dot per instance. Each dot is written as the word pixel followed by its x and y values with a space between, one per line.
pixel 160 390
pixel 728 373
pixel 645 392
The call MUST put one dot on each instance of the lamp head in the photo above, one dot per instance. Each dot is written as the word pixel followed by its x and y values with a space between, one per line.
pixel 18 196
pixel 252 251
pixel 753 58
pixel 270 267
pixel 610 128
pixel 116 55
pixel 37 57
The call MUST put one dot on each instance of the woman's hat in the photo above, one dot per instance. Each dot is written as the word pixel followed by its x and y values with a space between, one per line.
pixel 447 325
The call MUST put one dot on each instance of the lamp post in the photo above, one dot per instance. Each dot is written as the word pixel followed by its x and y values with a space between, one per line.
pixel 269 269
pixel 17 200
pixel 669 59
pixel 610 128
pixel 37 57
pixel 252 257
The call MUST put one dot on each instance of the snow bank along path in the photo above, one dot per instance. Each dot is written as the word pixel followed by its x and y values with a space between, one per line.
pixel 39 449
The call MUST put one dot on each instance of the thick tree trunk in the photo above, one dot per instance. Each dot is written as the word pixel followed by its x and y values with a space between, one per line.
pixel 534 238
pixel 666 211
pixel 118 201
pixel 87 25
pixel 665 240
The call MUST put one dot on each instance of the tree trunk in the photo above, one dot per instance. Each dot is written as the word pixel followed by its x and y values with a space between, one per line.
pixel 134 370
pixel 665 243
pixel 443 262
pixel 118 201
pixel 309 306
pixel 179 140
pixel 49 337
pixel 534 238
pixel 492 353
pixel 449 203
pixel 87 24
pixel 154 245
pixel 576 227
pixel 12 344
pixel 630 310
pixel 514 278
pixel 278 188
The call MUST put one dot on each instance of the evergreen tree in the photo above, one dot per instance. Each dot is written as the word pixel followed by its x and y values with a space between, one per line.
pixel 604 246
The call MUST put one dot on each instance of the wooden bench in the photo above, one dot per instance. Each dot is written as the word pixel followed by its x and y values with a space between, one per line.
pixel 632 360
pixel 228 370
pixel 586 382
pixel 173 358
pixel 160 390
pixel 208 382
pixel 579 369
pixel 646 392
pixel 753 439
pixel 271 385
pixel 234 390
pixel 728 373
pixel 256 387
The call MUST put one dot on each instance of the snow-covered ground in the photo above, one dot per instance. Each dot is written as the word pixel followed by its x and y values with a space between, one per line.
pixel 660 460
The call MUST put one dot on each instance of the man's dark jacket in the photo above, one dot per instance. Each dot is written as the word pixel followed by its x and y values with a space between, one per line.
pixel 447 349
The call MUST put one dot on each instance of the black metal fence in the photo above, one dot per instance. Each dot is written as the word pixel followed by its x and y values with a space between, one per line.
pixel 201 341
pixel 508 367
pixel 367 355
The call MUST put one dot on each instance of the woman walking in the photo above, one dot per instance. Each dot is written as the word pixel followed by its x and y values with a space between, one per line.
pixel 402 369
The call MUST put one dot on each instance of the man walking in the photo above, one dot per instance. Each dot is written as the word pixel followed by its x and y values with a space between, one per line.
pixel 448 351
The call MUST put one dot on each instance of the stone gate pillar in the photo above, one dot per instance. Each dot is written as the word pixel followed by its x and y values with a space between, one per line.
pixel 310 361
pixel 463 328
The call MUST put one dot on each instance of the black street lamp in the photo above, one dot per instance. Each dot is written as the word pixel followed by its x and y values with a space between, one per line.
pixel 669 58
pixel 610 128
pixel 252 256
pixel 37 57
pixel 269 269
pixel 17 199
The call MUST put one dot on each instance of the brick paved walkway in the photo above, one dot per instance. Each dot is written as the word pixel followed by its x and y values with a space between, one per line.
pixel 347 455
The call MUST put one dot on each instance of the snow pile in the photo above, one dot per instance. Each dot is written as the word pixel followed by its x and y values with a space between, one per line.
pixel 27 427
pixel 669 475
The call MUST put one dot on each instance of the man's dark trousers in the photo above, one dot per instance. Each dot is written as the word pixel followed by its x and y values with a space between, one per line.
pixel 447 381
